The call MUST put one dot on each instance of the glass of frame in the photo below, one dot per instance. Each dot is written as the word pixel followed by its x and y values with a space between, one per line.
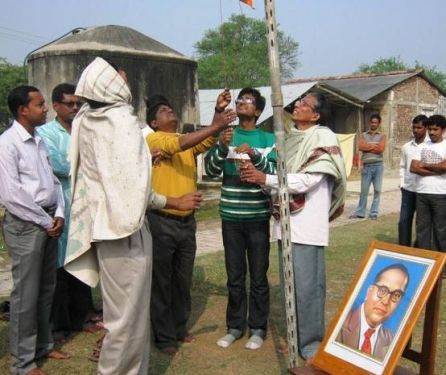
pixel 377 315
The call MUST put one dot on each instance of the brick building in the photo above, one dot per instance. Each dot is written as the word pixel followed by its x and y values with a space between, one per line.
pixel 397 96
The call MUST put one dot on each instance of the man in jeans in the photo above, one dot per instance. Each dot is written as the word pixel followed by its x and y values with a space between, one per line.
pixel 372 144
pixel 430 164
pixel 245 213
pixel 408 181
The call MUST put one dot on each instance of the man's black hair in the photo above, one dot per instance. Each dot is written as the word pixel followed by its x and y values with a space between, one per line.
pixel 321 107
pixel 395 266
pixel 60 90
pixel 420 119
pixel 152 105
pixel 19 96
pixel 375 115
pixel 438 120
pixel 260 101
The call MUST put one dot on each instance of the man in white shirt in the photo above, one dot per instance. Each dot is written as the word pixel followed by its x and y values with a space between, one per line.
pixel 315 173
pixel 34 204
pixel 429 163
pixel 408 181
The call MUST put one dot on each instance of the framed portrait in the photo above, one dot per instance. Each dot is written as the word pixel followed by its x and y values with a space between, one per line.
pixel 377 315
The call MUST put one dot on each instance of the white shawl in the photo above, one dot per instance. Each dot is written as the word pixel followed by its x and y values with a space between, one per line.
pixel 110 170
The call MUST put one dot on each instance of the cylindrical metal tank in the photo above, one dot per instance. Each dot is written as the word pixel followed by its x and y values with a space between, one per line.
pixel 152 67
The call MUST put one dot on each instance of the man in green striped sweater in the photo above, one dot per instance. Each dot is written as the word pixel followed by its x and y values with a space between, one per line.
pixel 245 213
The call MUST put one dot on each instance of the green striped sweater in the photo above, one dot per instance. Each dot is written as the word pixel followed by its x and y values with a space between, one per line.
pixel 241 201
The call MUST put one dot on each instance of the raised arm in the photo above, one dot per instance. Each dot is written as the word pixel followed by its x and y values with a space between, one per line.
pixel 220 121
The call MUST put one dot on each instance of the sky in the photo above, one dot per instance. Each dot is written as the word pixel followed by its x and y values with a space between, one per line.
pixel 335 36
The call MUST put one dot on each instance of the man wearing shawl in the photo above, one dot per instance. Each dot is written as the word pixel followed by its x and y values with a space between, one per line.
pixel 111 191
pixel 317 181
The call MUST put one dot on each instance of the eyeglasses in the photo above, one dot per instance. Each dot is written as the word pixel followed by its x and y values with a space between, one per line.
pixel 245 100
pixel 383 291
pixel 303 103
pixel 72 104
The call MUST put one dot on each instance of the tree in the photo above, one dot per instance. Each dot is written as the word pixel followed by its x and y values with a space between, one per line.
pixel 236 54
pixel 10 77
pixel 383 65
pixel 436 76
pixel 391 64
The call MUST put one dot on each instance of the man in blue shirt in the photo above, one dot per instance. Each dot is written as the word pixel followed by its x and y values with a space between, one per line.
pixel 72 297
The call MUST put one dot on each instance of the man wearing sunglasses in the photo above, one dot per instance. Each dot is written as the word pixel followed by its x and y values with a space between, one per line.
pixel 364 329
pixel 72 298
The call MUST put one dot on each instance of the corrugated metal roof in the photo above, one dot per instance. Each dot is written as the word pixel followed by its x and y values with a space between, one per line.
pixel 365 88
pixel 290 93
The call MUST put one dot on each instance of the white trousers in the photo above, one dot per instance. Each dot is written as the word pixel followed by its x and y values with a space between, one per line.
pixel 126 276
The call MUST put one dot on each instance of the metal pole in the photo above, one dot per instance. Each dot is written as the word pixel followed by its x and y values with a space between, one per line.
pixel 279 131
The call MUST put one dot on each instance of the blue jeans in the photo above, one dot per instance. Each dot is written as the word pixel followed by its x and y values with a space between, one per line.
pixel 371 174
pixel 408 206
pixel 309 290
pixel 431 221
pixel 247 247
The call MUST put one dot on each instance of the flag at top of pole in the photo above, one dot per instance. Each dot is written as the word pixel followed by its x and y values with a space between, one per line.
pixel 248 2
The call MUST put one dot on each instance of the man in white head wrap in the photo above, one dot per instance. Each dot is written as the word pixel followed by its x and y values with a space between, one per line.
pixel 109 236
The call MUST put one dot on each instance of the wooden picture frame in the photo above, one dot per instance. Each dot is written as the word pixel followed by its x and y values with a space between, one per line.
pixel 341 350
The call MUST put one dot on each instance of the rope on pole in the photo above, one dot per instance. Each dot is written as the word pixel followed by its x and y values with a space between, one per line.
pixel 279 131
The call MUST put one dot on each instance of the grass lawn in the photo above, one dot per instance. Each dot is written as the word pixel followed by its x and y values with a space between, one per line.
pixel 348 244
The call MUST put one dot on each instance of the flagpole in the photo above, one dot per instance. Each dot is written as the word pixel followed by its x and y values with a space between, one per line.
pixel 279 131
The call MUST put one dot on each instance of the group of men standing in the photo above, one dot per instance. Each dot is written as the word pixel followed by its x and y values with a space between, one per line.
pixel 423 184
pixel 422 180
pixel 129 180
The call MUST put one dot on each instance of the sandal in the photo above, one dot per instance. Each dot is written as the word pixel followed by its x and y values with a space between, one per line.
pixel 94 357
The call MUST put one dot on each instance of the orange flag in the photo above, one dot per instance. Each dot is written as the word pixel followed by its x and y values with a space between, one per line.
pixel 248 2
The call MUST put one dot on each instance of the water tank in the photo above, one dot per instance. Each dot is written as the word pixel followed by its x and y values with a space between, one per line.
pixel 152 67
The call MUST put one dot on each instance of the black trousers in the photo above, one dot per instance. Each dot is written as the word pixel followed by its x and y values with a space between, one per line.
pixel 431 221
pixel 174 248
pixel 72 302
pixel 247 247
pixel 407 212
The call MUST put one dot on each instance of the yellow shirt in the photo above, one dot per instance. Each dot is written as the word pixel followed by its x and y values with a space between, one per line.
pixel 177 173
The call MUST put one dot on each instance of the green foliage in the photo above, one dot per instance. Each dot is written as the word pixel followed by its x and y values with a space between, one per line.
pixel 236 54
pixel 391 64
pixel 383 65
pixel 439 78
pixel 10 77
